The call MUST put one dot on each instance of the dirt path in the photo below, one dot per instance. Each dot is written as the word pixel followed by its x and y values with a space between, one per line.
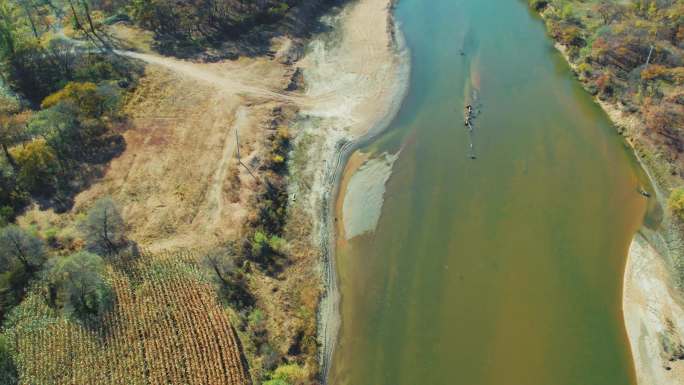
pixel 177 181
pixel 213 75
pixel 216 197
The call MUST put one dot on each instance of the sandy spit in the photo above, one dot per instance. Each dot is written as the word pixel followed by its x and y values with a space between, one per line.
pixel 653 314
pixel 364 196
pixel 358 75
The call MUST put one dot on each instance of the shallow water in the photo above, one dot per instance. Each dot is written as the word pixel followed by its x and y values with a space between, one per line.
pixel 506 269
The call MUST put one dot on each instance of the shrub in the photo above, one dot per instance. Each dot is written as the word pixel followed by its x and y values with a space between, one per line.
pixel 676 202
pixel 264 245
pixel 584 68
pixel 654 71
pixel 538 5
pixel 677 75
pixel 84 96
pixel 289 374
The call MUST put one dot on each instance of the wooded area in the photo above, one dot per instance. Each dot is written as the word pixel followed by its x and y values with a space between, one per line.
pixel 68 303
pixel 631 54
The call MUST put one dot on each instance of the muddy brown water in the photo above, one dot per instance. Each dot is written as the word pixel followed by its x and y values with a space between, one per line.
pixel 506 269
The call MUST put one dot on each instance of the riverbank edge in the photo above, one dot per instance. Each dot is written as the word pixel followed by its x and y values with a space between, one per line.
pixel 647 334
pixel 328 313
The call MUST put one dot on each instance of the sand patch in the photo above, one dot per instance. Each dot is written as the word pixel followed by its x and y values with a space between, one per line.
pixel 365 194
pixel 653 316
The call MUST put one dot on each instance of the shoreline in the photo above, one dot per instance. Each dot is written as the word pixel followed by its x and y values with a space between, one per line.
pixel 329 314
pixel 354 116
pixel 652 303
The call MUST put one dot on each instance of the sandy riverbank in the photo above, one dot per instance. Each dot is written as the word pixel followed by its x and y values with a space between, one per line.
pixel 652 302
pixel 358 73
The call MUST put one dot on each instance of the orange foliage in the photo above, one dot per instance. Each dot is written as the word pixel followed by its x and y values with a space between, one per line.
pixel 654 71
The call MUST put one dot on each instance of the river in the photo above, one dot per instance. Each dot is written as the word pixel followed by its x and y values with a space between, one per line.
pixel 506 268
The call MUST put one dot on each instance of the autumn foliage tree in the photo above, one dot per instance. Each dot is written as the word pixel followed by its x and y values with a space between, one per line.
pixel 37 165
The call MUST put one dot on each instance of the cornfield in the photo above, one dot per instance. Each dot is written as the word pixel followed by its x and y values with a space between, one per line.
pixel 165 327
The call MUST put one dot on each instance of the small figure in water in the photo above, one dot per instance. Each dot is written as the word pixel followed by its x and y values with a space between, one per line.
pixel 468 115
pixel 644 192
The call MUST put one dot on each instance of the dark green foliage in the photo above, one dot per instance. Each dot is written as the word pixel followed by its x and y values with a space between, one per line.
pixel 75 125
pixel 18 248
pixel 21 256
pixel 189 27
pixel 538 5
pixel 103 228
pixel 264 245
pixel 76 285
pixel 8 370
pixel 231 278
pixel 13 285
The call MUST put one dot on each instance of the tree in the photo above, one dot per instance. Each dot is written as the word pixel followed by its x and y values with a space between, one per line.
pixel 231 279
pixel 37 165
pixel 104 228
pixel 77 22
pixel 608 10
pixel 29 15
pixel 19 247
pixel 10 126
pixel 61 129
pixel 76 285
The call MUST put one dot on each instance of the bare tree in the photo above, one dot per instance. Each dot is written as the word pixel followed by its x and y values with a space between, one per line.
pixel 231 278
pixel 18 246
pixel 104 228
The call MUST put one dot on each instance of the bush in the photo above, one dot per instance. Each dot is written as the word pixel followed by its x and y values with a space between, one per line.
pixel 676 202
pixel 289 374
pixel 654 71
pixel 264 245
pixel 538 5
pixel 584 68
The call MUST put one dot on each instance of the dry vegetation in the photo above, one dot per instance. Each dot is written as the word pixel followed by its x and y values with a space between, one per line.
pixel 180 186
pixel 166 327
pixel 181 181
pixel 630 54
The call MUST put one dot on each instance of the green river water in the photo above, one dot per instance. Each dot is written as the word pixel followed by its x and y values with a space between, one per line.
pixel 506 269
